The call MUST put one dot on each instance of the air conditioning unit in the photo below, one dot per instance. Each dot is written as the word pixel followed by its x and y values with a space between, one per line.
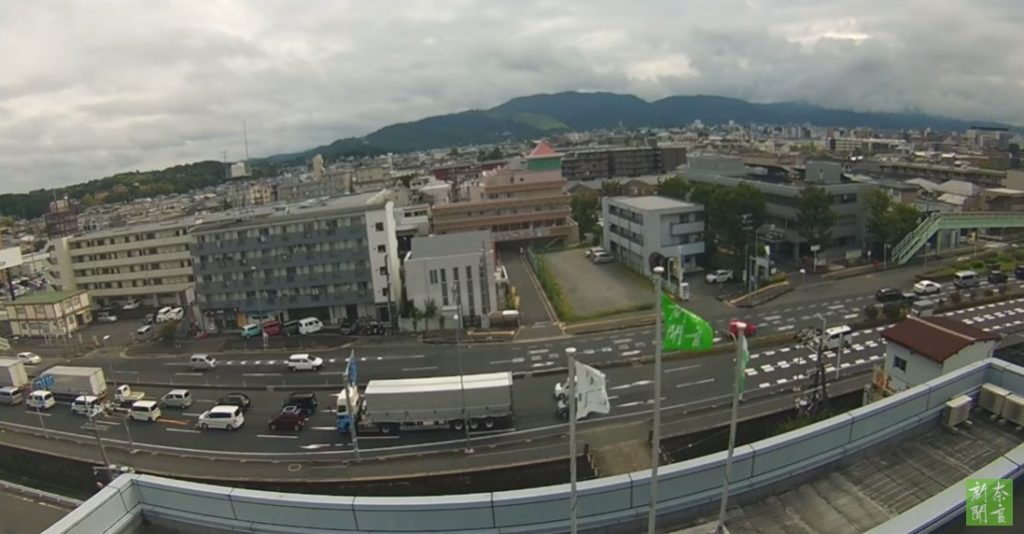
pixel 957 411
pixel 992 398
pixel 1013 409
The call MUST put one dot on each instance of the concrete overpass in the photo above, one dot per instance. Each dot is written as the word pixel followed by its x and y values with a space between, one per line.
pixel 946 228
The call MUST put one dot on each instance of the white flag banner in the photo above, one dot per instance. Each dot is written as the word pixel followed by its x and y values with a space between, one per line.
pixel 591 392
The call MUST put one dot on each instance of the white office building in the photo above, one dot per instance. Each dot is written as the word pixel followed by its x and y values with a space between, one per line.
pixel 451 269
pixel 642 232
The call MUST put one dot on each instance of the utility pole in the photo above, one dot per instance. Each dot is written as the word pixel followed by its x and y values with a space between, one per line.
pixel 458 350
pixel 746 224
pixel 570 353
pixel 652 518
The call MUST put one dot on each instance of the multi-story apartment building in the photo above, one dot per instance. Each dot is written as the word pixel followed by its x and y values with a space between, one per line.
pixel 621 162
pixel 643 232
pixel 334 258
pixel 514 204
pixel 49 313
pixel 782 199
pixel 61 219
pixel 148 262
pixel 453 270
pixel 298 189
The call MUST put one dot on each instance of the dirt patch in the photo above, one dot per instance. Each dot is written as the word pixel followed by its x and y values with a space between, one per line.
pixel 593 290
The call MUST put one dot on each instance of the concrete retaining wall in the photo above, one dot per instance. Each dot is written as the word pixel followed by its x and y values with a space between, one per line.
pixel 614 503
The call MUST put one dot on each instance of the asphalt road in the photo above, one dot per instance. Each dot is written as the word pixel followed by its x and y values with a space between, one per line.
pixel 688 385
pixel 23 515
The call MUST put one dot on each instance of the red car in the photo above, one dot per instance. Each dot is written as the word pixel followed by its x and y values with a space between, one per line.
pixel 290 417
pixel 273 328
pixel 749 331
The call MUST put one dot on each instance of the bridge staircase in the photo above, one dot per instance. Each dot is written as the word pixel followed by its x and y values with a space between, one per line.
pixel 954 222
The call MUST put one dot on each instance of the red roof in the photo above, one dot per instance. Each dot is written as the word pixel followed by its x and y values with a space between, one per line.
pixel 936 338
pixel 542 150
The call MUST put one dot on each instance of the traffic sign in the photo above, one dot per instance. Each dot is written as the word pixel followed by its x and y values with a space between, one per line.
pixel 43 382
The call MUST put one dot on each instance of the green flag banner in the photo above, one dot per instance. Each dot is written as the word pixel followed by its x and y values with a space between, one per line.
pixel 744 356
pixel 683 329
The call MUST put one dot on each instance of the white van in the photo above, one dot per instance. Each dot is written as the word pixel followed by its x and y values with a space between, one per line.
pixel 88 405
pixel 202 362
pixel 966 279
pixel 10 395
pixel 144 331
pixel 304 362
pixel 41 399
pixel 310 325
pixel 145 410
pixel 165 314
pixel 836 336
pixel 224 417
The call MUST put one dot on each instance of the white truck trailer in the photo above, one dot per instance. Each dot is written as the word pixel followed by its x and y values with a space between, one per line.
pixel 388 406
pixel 67 382
pixel 13 374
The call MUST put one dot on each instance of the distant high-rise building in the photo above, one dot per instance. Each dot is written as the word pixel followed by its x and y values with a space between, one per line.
pixel 318 167
pixel 62 219
pixel 238 170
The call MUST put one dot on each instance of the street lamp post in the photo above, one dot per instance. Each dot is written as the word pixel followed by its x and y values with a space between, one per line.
pixel 570 352
pixel 652 518
pixel 885 255
pixel 458 352
pixel 259 307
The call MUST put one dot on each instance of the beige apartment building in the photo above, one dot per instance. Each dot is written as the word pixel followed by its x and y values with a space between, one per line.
pixel 514 205
pixel 49 313
pixel 150 263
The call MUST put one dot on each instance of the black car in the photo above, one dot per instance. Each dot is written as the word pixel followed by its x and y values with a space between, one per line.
pixel 888 294
pixel 997 277
pixel 1019 272
pixel 235 399
pixel 305 400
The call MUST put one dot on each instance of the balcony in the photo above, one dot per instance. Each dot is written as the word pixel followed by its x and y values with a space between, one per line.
pixel 298 259
pixel 248 244
pixel 459 209
pixel 133 245
pixel 472 223
pixel 677 229
pixel 284 282
pixel 533 233
pixel 291 301
pixel 137 275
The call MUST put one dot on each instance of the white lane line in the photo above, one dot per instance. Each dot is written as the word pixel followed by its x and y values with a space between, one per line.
pixel 323 428
pixel 772 317
pixel 543 364
pixel 261 374
pixel 631 353
pixel 786 327
pixel 683 368
pixel 276 436
pixel 851 316
pixel 188 374
pixel 634 384
pixel 539 351
pixel 332 372
pixel 424 368
pixel 697 383
pixel 622 340
pixel 589 351
pixel 186 430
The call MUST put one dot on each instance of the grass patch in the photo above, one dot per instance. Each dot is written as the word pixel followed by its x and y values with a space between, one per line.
pixel 553 290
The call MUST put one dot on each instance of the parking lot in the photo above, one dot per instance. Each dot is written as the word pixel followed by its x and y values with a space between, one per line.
pixel 593 289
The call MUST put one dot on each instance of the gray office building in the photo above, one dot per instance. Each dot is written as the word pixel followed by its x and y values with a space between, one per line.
pixel 643 232
pixel 335 259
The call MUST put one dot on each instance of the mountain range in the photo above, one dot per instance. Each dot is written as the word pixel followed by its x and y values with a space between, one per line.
pixel 536 116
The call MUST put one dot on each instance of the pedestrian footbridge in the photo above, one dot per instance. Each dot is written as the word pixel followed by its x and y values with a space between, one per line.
pixel 947 227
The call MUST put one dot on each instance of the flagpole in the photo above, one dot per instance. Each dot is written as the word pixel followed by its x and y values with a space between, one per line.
pixel 741 343
pixel 570 352
pixel 652 518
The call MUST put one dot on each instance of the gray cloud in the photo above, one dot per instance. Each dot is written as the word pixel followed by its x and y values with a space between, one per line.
pixel 89 89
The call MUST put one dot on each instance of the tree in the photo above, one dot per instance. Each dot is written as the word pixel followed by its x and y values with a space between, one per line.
pixel 675 187
pixel 724 215
pixel 888 222
pixel 417 316
pixel 429 312
pixel 877 205
pixel 815 216
pixel 612 188
pixel 168 332
pixel 585 209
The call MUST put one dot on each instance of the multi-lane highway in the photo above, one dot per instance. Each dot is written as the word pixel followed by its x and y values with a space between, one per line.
pixel 688 386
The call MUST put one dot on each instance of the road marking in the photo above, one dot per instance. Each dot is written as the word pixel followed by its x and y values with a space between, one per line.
pixel 622 340
pixel 786 327
pixel 836 307
pixel 188 430
pixel 588 351
pixel 683 368
pixel 634 384
pixel 261 374
pixel 697 383
pixel 173 422
pixel 332 372
pixel 188 374
pixel 851 316
pixel 377 437
pixel 425 368
pixel 323 428
pixel 630 353
pixel 539 351
pixel 772 317
pixel 276 436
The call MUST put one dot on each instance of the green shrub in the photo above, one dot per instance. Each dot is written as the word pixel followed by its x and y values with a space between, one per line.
pixel 977 264
pixel 871 312
pixel 892 311
pixel 777 278
pixel 989 292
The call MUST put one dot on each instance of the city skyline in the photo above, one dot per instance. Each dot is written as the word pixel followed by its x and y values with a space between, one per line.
pixel 128 87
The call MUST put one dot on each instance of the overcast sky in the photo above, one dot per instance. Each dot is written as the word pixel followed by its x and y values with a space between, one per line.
pixel 88 89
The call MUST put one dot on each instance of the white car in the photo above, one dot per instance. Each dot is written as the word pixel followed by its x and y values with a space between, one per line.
pixel 87 405
pixel 223 417
pixel 29 358
pixel 177 314
pixel 106 317
pixel 304 362
pixel 927 287
pixel 720 276
pixel 131 305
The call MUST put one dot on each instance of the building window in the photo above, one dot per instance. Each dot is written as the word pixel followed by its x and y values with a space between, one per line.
pixel 899 363
pixel 379 227
pixel 382 248
pixel 433 276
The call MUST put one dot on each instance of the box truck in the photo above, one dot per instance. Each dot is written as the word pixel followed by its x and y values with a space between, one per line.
pixel 388 406
pixel 12 373
pixel 67 382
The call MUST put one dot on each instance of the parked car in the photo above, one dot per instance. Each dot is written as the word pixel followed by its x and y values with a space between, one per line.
pixel 273 328
pixel 251 330
pixel 106 317
pixel 310 325
pixel 10 395
pixel 29 358
pixel 997 277
pixel 144 331
pixel 163 314
pixel 602 257
pixel 304 362
pixel 131 304
pixel 291 328
pixel 235 399
pixel 589 253
pixel 176 398
pixel 177 314
pixel 927 287
pixel 305 400
pixel 888 294
pixel 290 417
pixel 223 417
pixel 719 276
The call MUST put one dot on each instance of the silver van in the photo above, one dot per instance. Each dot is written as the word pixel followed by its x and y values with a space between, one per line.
pixel 10 395
pixel 176 398
pixel 966 279
pixel 202 362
